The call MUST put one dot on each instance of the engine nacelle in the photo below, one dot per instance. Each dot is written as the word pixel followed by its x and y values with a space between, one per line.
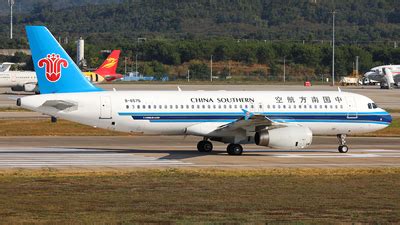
pixel 293 137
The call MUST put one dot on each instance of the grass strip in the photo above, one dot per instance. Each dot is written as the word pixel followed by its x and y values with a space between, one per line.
pixel 201 195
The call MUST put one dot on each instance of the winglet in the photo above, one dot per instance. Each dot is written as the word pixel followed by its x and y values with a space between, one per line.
pixel 247 114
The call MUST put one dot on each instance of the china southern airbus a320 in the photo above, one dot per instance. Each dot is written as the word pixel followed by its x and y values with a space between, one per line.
pixel 267 118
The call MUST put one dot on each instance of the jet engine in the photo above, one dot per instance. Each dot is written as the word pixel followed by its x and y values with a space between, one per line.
pixel 293 137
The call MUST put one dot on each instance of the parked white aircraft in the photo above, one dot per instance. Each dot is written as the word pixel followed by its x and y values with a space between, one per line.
pixel 266 118
pixel 386 75
pixel 17 80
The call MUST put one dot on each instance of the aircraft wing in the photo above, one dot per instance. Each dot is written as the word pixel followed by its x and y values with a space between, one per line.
pixel 249 122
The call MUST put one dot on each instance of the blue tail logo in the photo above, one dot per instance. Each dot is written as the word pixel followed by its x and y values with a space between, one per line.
pixel 55 70
pixel 52 64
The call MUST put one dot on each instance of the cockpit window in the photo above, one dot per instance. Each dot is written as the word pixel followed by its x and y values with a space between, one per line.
pixel 372 106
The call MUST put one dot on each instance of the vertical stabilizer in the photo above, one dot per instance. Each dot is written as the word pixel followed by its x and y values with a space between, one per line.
pixel 109 66
pixel 55 70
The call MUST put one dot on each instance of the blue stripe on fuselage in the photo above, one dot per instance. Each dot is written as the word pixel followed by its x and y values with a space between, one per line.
pixel 362 117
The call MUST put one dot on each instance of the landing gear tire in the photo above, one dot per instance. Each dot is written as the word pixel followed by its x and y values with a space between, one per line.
pixel 234 149
pixel 342 143
pixel 204 146
pixel 343 149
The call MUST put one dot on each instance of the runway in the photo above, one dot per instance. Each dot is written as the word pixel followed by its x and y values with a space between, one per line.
pixel 143 152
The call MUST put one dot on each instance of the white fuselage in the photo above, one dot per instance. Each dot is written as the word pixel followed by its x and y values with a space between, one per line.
pixel 173 112
pixel 18 79
pixel 376 74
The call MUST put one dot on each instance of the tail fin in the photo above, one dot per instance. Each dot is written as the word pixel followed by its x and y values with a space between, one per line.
pixel 55 70
pixel 109 66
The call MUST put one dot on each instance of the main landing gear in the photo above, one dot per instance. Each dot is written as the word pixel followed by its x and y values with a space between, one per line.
pixel 204 146
pixel 342 143
pixel 207 146
pixel 234 149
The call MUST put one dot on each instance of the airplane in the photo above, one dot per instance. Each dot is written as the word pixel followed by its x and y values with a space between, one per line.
pixel 386 75
pixel 275 119
pixel 107 71
pixel 18 80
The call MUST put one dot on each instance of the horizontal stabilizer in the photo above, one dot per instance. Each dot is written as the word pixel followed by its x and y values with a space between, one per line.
pixel 60 105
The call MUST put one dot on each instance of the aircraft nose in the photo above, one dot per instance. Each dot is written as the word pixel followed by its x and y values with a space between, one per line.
pixel 387 118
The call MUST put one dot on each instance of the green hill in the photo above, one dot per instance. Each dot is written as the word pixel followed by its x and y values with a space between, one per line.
pixel 357 20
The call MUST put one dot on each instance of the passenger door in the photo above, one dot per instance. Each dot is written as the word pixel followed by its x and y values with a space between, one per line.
pixel 105 107
pixel 351 108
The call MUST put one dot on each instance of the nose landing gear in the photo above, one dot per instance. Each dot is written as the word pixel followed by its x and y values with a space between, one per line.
pixel 342 143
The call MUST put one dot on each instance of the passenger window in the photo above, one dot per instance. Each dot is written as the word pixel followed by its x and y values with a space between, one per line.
pixel 192 106
pixel 127 106
pixel 224 106
pixel 144 106
pixel 138 106
pixel 235 106
pixel 299 106
pixel 203 106
pixel 133 106
pixel 182 106
pixel 219 106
